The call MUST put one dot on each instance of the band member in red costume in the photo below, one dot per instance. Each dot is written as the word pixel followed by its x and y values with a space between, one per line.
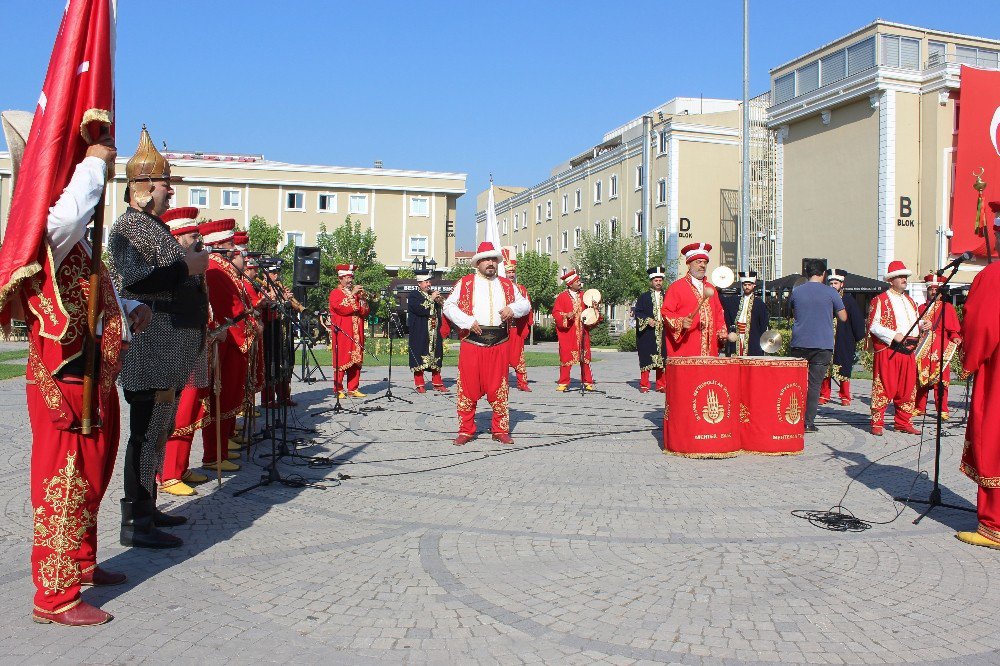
pixel 692 310
pixel 348 310
pixel 943 320
pixel 573 334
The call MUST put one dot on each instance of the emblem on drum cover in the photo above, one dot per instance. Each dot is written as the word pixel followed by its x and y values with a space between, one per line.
pixel 711 410
pixel 790 409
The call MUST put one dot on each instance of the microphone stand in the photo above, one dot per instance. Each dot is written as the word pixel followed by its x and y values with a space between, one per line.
pixel 934 499
pixel 388 396
pixel 336 331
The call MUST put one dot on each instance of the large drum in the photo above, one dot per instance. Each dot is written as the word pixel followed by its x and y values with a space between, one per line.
pixel 702 407
pixel 773 404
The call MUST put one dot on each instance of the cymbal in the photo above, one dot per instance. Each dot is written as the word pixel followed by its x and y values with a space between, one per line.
pixel 723 277
pixel 770 341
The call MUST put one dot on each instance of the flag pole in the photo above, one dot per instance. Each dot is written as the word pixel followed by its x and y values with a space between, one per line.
pixel 90 367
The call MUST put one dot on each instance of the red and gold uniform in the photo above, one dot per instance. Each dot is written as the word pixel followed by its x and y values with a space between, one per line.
pixel 944 320
pixel 347 317
pixel 981 355
pixel 894 374
pixel 573 335
pixel 483 360
pixel 693 297
pixel 519 333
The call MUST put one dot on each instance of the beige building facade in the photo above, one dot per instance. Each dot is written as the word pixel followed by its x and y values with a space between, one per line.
pixel 865 129
pixel 691 188
pixel 413 213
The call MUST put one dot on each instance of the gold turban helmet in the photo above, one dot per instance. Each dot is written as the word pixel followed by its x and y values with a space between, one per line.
pixel 146 164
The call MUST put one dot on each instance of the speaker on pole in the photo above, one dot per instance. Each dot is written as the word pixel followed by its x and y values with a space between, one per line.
pixel 306 270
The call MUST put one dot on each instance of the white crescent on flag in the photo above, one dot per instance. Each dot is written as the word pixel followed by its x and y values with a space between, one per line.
pixel 993 130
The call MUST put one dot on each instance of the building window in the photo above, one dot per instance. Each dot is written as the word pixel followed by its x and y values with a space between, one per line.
pixel 564 242
pixel 661 191
pixel 538 245
pixel 833 67
pixel 597 191
pixel 548 209
pixel 638 177
pixel 577 237
pixel 638 222
pixel 900 51
pixel 936 53
pixel 784 88
pixel 538 214
pixel 548 245
pixel 861 56
pixel 326 203
pixel 524 248
pixel 613 186
pixel 969 55
pixel 578 201
pixel 418 246
pixel 614 227
pixel 420 207
pixel 198 196
pixel 232 199
pixel 597 229
pixel 358 204
pixel 503 227
pixel 295 201
pixel 524 220
pixel 807 78
pixel 565 204
pixel 664 142
pixel 294 238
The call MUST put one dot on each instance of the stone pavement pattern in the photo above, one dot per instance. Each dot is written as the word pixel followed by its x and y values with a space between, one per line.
pixel 581 544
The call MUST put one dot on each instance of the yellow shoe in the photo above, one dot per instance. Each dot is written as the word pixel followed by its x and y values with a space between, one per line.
pixel 177 487
pixel 193 478
pixel 232 455
pixel 562 387
pixel 341 395
pixel 225 466
pixel 977 539
pixel 237 438
pixel 357 394
pixel 945 416
pixel 234 445
pixel 589 387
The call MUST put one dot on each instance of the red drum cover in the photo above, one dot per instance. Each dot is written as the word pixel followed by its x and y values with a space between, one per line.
pixel 773 409
pixel 702 407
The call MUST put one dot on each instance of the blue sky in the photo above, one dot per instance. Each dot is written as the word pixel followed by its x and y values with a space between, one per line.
pixel 511 88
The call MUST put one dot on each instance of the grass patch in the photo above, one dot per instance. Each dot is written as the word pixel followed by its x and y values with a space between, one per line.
pixel 8 371
pixel 13 355
pixel 531 359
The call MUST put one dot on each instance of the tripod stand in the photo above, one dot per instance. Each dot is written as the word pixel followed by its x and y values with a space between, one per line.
pixel 934 500
pixel 388 396
pixel 335 332
pixel 308 364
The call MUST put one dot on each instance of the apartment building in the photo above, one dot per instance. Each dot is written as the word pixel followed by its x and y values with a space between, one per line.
pixel 866 129
pixel 691 190
pixel 411 212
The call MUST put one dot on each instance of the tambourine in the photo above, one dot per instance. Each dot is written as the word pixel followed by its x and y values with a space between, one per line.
pixel 592 298
pixel 590 316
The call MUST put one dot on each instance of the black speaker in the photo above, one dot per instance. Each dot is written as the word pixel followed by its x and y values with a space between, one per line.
pixel 306 272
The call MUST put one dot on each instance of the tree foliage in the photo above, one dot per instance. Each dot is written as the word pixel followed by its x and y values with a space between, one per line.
pixel 264 237
pixel 458 270
pixel 616 265
pixel 539 274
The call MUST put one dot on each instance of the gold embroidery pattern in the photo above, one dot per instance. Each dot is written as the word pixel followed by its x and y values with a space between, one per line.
pixel 47 386
pixel 500 406
pixel 713 412
pixel 991 534
pixel 744 413
pixel 879 400
pixel 793 414
pixel 522 366
pixel 60 526
pixel 465 403
pixel 982 481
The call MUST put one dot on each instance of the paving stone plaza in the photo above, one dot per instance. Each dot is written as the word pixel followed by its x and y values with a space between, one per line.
pixel 581 544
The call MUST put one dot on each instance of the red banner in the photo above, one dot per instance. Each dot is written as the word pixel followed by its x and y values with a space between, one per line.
pixel 76 98
pixel 978 149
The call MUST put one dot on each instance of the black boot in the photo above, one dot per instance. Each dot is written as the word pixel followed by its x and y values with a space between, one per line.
pixel 138 530
pixel 161 519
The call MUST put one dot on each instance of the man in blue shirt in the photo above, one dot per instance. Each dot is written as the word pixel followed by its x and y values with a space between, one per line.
pixel 814 306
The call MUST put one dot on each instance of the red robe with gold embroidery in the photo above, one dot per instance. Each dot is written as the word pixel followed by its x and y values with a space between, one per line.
pixel 519 332
pixel 349 314
pixel 573 335
pixel 981 344
pixel 702 339
pixel 928 360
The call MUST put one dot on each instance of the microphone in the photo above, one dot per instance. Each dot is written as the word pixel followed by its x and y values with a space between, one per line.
pixel 956 262
pixel 199 246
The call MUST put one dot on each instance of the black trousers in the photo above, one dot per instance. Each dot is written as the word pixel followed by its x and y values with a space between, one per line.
pixel 140 413
pixel 819 362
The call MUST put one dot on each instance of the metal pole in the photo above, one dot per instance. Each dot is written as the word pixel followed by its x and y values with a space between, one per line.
pixel 647 126
pixel 744 244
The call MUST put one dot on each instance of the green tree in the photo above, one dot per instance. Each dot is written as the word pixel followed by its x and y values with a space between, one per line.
pixel 616 265
pixel 539 274
pixel 457 271
pixel 264 237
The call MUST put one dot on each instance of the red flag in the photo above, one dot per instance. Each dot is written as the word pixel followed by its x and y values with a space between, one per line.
pixel 77 99
pixel 978 148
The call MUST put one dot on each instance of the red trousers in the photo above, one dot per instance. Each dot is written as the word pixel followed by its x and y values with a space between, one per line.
pixel 191 416
pixel 516 356
pixel 418 378
pixel 661 382
pixel 895 382
pixel 940 396
pixel 70 473
pixel 988 510
pixel 353 378
pixel 587 377
pixel 845 391
pixel 482 371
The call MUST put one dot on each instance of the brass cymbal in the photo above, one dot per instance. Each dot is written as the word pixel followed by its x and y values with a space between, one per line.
pixel 770 341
